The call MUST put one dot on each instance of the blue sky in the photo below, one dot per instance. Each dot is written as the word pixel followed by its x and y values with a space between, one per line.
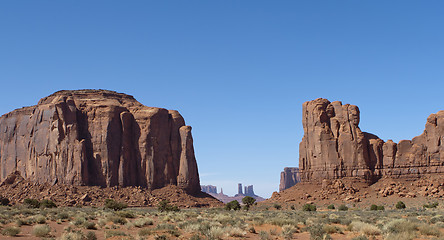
pixel 238 71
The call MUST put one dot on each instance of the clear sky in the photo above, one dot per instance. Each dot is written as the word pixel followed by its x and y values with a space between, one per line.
pixel 238 71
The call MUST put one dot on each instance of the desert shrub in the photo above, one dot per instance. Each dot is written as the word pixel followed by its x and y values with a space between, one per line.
pixel 317 232
pixel 109 233
pixel 31 203
pixel 117 219
pixel 436 219
pixel 62 215
pixel 342 208
pixel 145 232
pixel 364 228
pixel 114 205
pixel 40 219
pixel 174 232
pixel 46 203
pixel 195 237
pixel 331 206
pixel 165 226
pixel 165 206
pixel 309 207
pixel 235 232
pixel 21 222
pixel 401 236
pixel 264 235
pixel 400 225
pixel 77 235
pixel 400 205
pixel 362 237
pixel 233 205
pixel 141 222
pixel 90 225
pixel 431 205
pixel 126 214
pixel 4 201
pixel 429 230
pixel 380 208
pixel 288 231
pixel 248 201
pixel 374 207
pixel 11 231
pixel 214 232
pixel 160 237
pixel 292 207
pixel 90 236
pixel 332 229
pixel 41 230
pixel 78 221
pixel 277 206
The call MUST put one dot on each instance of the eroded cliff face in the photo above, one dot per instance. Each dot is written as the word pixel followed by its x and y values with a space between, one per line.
pixel 98 137
pixel 333 146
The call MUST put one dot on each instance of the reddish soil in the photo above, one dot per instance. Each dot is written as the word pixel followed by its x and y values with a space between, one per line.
pixel 413 192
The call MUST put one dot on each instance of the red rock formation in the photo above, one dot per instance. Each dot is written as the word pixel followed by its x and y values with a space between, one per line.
pixel 333 146
pixel 98 137
pixel 289 177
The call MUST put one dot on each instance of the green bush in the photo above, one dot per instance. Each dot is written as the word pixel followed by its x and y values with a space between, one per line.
pixel 46 203
pixel 431 205
pixel 114 205
pixel 31 203
pixel 233 205
pixel 277 206
pixel 11 231
pixel 248 201
pixel 165 206
pixel 292 207
pixel 400 205
pixel 309 207
pixel 342 208
pixel 4 201
pixel 331 206
pixel 375 207
pixel 126 214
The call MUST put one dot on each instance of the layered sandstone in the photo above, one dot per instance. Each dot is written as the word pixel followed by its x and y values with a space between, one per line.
pixel 333 146
pixel 289 178
pixel 98 137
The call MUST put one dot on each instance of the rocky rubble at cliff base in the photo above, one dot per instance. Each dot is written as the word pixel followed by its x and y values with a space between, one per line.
pixel 355 191
pixel 16 189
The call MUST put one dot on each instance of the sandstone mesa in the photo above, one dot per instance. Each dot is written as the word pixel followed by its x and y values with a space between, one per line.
pixel 334 146
pixel 98 138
